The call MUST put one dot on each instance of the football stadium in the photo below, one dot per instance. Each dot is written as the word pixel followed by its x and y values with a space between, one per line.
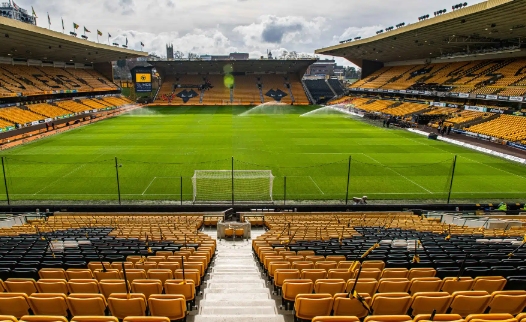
pixel 140 188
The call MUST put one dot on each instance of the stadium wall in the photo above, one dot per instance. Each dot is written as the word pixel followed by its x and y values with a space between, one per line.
pixel 515 54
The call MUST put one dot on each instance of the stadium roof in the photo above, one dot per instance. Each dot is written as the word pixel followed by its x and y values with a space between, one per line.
pixel 26 41
pixel 243 66
pixel 489 23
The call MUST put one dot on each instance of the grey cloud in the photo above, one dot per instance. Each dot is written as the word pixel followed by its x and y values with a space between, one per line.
pixel 273 33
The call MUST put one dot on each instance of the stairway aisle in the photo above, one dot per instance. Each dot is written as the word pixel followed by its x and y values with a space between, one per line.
pixel 235 289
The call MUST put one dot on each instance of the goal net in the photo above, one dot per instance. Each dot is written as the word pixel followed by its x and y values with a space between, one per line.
pixel 215 186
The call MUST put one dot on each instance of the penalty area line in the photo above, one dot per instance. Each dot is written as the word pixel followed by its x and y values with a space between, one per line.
pixel 316 185
pixel 148 186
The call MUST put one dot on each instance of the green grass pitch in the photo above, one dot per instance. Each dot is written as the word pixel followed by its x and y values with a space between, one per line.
pixel 156 146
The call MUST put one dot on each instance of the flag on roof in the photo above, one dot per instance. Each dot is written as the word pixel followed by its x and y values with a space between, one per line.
pixel 15 6
pixel 109 36
pixel 126 41
pixel 34 13
pixel 142 44
pixel 75 26
pixel 48 19
pixel 99 32
pixel 86 29
pixel 62 23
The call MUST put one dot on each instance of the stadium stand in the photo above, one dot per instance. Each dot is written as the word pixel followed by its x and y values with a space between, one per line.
pixel 506 127
pixel 319 89
pixel 47 110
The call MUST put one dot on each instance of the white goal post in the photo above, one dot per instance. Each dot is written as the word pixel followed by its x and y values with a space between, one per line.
pixel 215 186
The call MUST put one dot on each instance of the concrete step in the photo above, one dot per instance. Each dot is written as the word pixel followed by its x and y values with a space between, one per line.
pixel 241 302
pixel 252 275
pixel 220 296
pixel 244 318
pixel 233 278
pixel 235 287
pixel 238 310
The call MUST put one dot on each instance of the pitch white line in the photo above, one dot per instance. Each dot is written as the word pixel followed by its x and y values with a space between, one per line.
pixel 401 175
pixel 316 185
pixel 65 175
pixel 148 185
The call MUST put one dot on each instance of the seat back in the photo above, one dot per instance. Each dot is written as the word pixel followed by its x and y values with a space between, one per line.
pixel 172 306
pixel 364 285
pixel 57 273
pixel 78 273
pixel 336 319
pixel 146 319
pixel 512 302
pixel 15 304
pixel 452 284
pixel 291 288
pixel 122 305
pixel 373 264
pixel 160 274
pixel 469 302
pixel 326 265
pixel 329 286
pixel 388 318
pixel 343 273
pixel 489 284
pixel 50 285
pixel 109 274
pixel 133 274
pixel 421 272
pixel 308 306
pixel 391 303
pixel 503 317
pixel 282 274
pixel 313 274
pixel 43 318
pixel 387 285
pixel 110 286
pixel 426 302
pixel 438 318
pixel 179 286
pixel 48 304
pixel 147 287
pixel 83 286
pixel 94 318
pixel 370 273
pixel 394 273
pixel 21 285
pixel 81 304
pixel 345 305
pixel 425 284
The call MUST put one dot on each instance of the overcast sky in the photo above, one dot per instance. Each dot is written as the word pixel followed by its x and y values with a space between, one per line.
pixel 224 26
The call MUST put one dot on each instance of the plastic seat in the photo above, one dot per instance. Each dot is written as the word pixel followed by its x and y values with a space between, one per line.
pixel 169 265
pixel 489 284
pixel 438 318
pixel 273 266
pixel 57 273
pixel 94 266
pixel 421 272
pixel 147 287
pixel 8 318
pixel 109 274
pixel 83 286
pixel 118 265
pixel 110 286
pixel 281 275
pixel 146 319
pixel 452 284
pixel 364 285
pixel 326 265
pixel 94 318
pixel 122 305
pixel 387 285
pixel 133 274
pixel 426 302
pixel 76 273
pixel 172 306
pixel 81 304
pixel 391 303
pixel 490 317
pixel 48 304
pixel 308 306
pixel 388 318
pixel 183 287
pixel 291 288
pixel 343 273
pixel 394 273
pixel 313 274
pixel 336 319
pixel 15 304
pixel 43 318
pixel 50 285
pixel 425 284
pixel 469 302
pixel 21 285
pixel 302 265
pixel 370 273
pixel 373 264
pixel 146 265
pixel 192 274
pixel 343 305
pixel 512 302
pixel 160 274
pixel 329 286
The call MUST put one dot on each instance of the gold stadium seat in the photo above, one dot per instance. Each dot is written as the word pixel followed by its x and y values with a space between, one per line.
pixel 453 284
pixel 2 286
pixel 343 273
pixel 122 305
pixel 57 273
pixel 280 275
pixel 373 264
pixel 313 274
pixel 490 317
pixel 489 284
pixel 172 306
pixel 93 266
pixel 343 305
pixel 336 258
pixel 133 274
pixel 133 259
pixel 94 318
pixel 169 265
pixel 273 266
pixel 301 265
pixel 426 302
pixel 394 273
pixel 326 265
pixel 108 287
pixel 388 285
pixel 109 274
pixel 192 274
pixel 156 259
pixel 174 259
pixel 305 253
pixel 348 264
pixel 81 304
pixel 146 319
pixel 83 286
pixel 147 287
pixel 160 274
pixel 370 273
pixel 146 265
pixel 391 303
pixel 425 284
pixel 48 304
pixel 21 285
pixel 164 253
pixel 15 304
pixel 336 319
pixel 329 286
pixel 469 302
pixel 291 288
pixel 118 265
pixel 512 302
pixel 183 287
pixel 297 258
pixel 78 273
pixel 421 273
pixel 364 285
pixel 50 285
pixel 8 318
pixel 43 318
pixel 388 318
pixel 308 306
pixel 438 318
